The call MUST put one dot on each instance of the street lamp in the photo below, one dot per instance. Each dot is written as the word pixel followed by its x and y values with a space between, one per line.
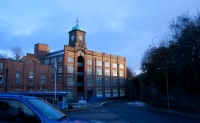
pixel 167 87
pixel 129 67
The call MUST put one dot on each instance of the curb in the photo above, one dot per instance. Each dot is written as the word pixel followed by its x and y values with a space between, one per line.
pixel 76 109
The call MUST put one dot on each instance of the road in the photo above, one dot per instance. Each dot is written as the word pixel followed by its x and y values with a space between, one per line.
pixel 122 112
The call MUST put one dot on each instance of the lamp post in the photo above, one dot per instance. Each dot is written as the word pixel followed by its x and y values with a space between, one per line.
pixel 130 67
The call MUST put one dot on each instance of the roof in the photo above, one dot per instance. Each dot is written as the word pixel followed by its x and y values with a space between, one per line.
pixel 56 53
pixel 77 27
pixel 34 93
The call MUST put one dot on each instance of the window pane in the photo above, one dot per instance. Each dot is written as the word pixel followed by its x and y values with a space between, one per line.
pixel 99 92
pixel 46 61
pixel 99 82
pixel 1 66
pixel 43 78
pixel 107 64
pixel 17 78
pixel 60 69
pixel 89 81
pixel 121 92
pixel 121 82
pixel 70 80
pixel 107 72
pixel 89 62
pixel 89 71
pixel 115 82
pixel 70 69
pixel 99 71
pixel 114 65
pixel 107 82
pixel 114 72
pixel 53 60
pixel 121 73
pixel 60 59
pixel 115 93
pixel 99 63
pixel 70 59
pixel 121 66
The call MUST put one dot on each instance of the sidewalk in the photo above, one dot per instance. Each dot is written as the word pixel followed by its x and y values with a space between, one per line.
pixel 82 107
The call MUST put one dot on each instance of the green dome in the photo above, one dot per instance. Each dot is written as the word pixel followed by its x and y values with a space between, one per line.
pixel 77 28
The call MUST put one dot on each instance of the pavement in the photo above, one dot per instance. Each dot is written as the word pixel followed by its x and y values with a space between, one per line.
pixel 82 107
pixel 89 106
pixel 185 112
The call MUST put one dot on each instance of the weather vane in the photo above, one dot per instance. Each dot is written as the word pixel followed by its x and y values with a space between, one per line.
pixel 77 21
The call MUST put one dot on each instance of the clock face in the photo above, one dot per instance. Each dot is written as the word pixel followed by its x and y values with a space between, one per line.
pixel 72 37
pixel 80 37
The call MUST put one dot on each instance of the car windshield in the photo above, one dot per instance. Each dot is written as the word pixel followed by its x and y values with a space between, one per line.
pixel 48 110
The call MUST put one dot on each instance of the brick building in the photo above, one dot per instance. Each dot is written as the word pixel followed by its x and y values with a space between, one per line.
pixel 84 72
pixel 81 72
pixel 24 76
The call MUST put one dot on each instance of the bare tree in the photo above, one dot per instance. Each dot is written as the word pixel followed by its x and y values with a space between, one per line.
pixel 17 52
pixel 3 55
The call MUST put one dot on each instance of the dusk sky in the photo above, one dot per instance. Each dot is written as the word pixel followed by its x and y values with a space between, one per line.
pixel 118 27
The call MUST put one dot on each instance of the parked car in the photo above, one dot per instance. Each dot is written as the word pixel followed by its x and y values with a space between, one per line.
pixel 27 109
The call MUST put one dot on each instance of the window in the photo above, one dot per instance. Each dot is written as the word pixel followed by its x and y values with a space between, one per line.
pixel 70 95
pixel 107 82
pixel 53 60
pixel 60 78
pixel 70 69
pixel 53 79
pixel 121 73
pixel 107 64
pixel 115 82
pixel 99 71
pixel 99 82
pixel 70 80
pixel 46 61
pixel 15 111
pixel 99 93
pixel 121 82
pixel 114 72
pixel 89 81
pixel 60 69
pixel 53 70
pixel 43 78
pixel 1 66
pixel 121 66
pixel 107 72
pixel 31 76
pixel 99 63
pixel 17 77
pixel 107 92
pixel 70 59
pixel 60 59
pixel 89 62
pixel 115 93
pixel 1 78
pixel 121 92
pixel 89 71
pixel 114 65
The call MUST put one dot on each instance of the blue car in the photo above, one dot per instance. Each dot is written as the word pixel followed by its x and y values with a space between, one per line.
pixel 27 109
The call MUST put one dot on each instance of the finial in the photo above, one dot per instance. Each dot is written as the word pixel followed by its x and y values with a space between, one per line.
pixel 77 21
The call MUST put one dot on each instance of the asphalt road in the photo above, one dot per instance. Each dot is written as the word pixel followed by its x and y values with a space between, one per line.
pixel 122 112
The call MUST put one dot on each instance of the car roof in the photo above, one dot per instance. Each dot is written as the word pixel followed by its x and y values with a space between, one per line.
pixel 7 95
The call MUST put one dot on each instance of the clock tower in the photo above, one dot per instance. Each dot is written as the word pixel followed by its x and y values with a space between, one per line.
pixel 77 37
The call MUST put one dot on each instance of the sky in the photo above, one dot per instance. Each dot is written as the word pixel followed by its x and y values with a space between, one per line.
pixel 119 27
